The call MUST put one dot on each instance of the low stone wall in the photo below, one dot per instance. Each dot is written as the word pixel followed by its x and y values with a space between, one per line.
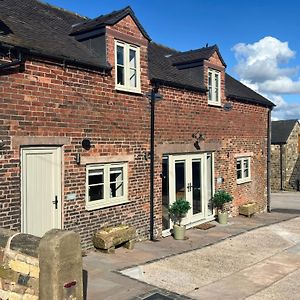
pixel 19 266
pixel 33 268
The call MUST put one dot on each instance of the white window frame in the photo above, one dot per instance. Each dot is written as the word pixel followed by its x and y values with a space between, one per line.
pixel 244 179
pixel 107 201
pixel 126 86
pixel 215 97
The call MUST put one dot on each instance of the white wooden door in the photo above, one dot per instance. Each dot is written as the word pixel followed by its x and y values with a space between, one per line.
pixel 41 189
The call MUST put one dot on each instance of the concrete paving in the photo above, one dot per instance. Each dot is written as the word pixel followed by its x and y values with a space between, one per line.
pixel 285 202
pixel 247 254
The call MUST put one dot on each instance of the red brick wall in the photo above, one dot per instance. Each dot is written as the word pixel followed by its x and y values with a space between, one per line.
pixel 48 100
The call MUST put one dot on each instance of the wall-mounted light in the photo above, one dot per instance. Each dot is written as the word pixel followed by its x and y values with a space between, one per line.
pixel 77 158
pixel 199 137
pixel 2 144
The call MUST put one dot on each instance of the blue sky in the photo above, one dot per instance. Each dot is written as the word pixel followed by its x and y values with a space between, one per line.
pixel 259 40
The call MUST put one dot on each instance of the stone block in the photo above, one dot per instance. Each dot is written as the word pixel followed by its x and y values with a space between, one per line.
pixel 19 266
pixel 34 271
pixel 4 295
pixel 60 266
pixel 248 209
pixel 108 238
pixel 8 274
pixel 30 297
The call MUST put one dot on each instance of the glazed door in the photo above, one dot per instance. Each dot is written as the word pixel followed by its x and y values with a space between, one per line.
pixel 41 189
pixel 186 182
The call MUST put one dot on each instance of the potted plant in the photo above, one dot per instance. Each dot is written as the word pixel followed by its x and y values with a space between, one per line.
pixel 177 211
pixel 219 199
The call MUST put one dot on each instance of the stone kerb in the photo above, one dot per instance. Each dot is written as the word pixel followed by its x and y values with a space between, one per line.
pixel 60 266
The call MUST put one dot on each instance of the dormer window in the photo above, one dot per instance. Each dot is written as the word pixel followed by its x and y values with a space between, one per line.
pixel 214 87
pixel 127 62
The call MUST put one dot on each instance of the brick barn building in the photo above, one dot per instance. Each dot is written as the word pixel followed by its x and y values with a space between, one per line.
pixel 75 125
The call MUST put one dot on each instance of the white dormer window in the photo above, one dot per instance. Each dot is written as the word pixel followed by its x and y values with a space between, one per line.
pixel 214 87
pixel 127 62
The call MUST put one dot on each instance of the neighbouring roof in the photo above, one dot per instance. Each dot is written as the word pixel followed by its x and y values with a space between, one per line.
pixel 109 19
pixel 281 130
pixel 47 30
pixel 163 69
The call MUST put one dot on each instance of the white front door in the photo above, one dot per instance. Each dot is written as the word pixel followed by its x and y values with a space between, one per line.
pixel 189 177
pixel 41 189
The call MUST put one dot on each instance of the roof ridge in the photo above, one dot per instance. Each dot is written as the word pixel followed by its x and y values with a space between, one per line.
pixel 164 46
pixel 198 49
pixel 43 2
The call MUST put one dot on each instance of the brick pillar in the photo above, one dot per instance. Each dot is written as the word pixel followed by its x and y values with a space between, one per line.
pixel 60 263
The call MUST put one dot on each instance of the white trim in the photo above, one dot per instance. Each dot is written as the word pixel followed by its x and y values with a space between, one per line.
pixel 107 201
pixel 126 86
pixel 244 179
pixel 214 101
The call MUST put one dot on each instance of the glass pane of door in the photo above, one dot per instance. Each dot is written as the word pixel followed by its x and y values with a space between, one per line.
pixel 209 184
pixel 196 186
pixel 180 180
pixel 165 194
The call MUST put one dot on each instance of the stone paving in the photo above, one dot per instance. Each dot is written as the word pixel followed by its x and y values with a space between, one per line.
pixel 104 280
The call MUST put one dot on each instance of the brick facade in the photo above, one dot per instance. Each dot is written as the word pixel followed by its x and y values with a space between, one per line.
pixel 64 104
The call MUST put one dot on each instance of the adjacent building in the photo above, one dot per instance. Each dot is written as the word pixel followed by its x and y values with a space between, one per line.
pixel 285 155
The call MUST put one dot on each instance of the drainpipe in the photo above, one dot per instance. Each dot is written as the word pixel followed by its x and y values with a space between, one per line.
pixel 281 167
pixel 152 104
pixel 154 96
pixel 269 162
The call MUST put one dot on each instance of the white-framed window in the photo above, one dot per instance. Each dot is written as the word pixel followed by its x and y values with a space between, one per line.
pixel 127 63
pixel 106 185
pixel 214 87
pixel 243 173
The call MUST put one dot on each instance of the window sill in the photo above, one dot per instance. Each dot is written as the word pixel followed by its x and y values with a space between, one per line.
pixel 128 90
pixel 105 204
pixel 241 181
pixel 218 104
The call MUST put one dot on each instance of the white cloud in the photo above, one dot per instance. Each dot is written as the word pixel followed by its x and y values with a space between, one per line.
pixel 260 66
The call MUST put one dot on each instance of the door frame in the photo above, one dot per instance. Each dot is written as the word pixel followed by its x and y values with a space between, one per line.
pixel 58 182
pixel 188 157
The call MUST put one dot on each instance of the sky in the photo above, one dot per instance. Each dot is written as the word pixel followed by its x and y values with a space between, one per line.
pixel 258 39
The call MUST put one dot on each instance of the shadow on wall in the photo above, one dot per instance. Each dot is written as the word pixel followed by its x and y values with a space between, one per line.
pixel 85 283
pixel 295 177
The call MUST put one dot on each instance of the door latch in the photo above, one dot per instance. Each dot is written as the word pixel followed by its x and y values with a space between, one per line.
pixel 55 202
pixel 189 187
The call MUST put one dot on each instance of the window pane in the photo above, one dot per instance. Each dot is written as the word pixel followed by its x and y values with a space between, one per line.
pixel 132 59
pixel 132 77
pixel 116 189
pixel 96 192
pixel 95 176
pixel 239 174
pixel 180 180
pixel 238 165
pixel 120 75
pixel 116 174
pixel 120 55
pixel 217 87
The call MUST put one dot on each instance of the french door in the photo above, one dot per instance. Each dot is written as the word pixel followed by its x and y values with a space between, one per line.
pixel 188 177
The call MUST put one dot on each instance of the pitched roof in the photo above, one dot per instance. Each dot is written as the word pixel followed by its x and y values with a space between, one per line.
pixel 163 69
pixel 109 19
pixel 195 55
pixel 44 30
pixel 281 130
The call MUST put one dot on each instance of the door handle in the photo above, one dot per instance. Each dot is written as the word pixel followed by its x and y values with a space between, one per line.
pixel 55 202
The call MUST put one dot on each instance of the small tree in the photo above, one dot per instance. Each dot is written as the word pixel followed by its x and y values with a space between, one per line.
pixel 220 198
pixel 178 210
